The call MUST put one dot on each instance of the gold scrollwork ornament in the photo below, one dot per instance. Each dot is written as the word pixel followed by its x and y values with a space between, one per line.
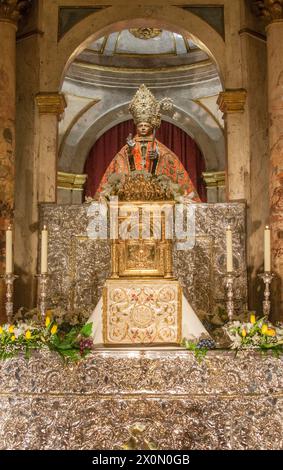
pixel 145 33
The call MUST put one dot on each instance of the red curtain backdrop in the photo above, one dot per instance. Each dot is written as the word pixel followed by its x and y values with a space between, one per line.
pixel 106 147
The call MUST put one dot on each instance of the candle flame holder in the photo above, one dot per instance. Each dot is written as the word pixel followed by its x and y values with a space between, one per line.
pixel 267 277
pixel 42 294
pixel 9 279
pixel 229 283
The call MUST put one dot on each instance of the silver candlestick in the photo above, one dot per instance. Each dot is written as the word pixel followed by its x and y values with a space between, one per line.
pixel 43 278
pixel 229 281
pixel 267 277
pixel 9 279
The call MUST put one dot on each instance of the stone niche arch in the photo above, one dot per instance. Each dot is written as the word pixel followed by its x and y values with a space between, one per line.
pixel 75 148
pixel 120 17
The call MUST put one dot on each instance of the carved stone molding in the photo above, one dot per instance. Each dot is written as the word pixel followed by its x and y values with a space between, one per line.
pixel 51 103
pixel 269 10
pixel 12 10
pixel 232 101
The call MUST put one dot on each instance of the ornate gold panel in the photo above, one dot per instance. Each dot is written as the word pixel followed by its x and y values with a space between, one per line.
pixel 140 257
pixel 142 312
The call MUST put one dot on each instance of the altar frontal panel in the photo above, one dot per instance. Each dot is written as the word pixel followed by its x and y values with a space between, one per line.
pixel 142 312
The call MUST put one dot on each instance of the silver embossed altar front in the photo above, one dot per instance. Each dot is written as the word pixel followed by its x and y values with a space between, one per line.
pixel 166 398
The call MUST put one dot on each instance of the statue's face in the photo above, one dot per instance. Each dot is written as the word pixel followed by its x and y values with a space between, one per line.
pixel 144 129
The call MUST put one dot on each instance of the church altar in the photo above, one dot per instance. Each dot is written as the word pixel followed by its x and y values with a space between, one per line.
pixel 78 266
pixel 142 397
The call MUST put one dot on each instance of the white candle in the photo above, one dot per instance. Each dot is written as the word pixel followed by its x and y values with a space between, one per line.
pixel 229 250
pixel 267 261
pixel 9 250
pixel 44 250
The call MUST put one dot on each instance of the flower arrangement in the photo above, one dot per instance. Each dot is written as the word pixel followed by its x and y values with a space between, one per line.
pixel 72 342
pixel 255 334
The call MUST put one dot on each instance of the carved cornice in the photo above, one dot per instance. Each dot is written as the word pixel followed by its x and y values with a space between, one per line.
pixel 269 10
pixel 70 181
pixel 51 103
pixel 232 101
pixel 11 11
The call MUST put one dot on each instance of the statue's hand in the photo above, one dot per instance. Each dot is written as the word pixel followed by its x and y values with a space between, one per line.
pixel 153 154
pixel 130 141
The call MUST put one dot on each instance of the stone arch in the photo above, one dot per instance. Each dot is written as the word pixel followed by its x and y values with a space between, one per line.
pixel 74 153
pixel 116 18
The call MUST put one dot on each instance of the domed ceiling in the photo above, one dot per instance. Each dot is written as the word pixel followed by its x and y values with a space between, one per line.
pixel 143 44
pixel 147 52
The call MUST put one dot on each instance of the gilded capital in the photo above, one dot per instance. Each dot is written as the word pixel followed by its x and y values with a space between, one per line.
pixel 51 103
pixel 232 101
pixel 214 179
pixel 12 10
pixel 269 10
pixel 71 181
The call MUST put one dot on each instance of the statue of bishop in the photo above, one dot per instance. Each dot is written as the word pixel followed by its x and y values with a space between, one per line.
pixel 144 151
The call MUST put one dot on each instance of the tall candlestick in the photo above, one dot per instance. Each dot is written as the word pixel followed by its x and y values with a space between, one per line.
pixel 44 249
pixel 267 261
pixel 9 250
pixel 229 249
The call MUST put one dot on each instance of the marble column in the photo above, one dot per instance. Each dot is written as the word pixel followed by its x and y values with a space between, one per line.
pixel 221 186
pixel 50 108
pixel 272 12
pixel 211 186
pixel 10 12
pixel 231 103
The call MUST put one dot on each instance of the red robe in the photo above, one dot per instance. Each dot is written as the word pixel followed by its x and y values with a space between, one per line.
pixel 168 164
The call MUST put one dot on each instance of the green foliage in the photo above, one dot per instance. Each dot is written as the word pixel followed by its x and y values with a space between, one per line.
pixel 73 343
pixel 86 330
pixel 199 353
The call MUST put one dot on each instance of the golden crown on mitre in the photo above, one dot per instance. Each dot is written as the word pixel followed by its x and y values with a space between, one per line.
pixel 144 107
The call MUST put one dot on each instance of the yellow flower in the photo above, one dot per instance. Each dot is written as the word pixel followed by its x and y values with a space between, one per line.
pixel 244 332
pixel 47 321
pixel 271 332
pixel 49 313
pixel 13 338
pixel 264 329
pixel 252 318
pixel 1 330
pixel 28 334
pixel 11 329
pixel 54 329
